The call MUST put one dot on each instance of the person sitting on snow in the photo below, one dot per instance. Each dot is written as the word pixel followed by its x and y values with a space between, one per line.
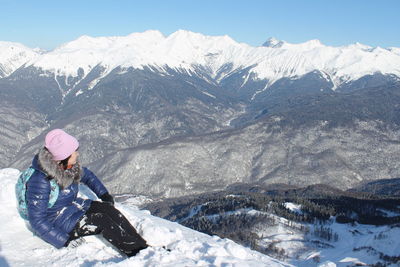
pixel 71 217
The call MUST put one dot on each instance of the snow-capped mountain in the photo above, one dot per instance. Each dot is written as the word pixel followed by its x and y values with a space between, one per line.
pixel 20 247
pixel 13 56
pixel 273 43
pixel 185 50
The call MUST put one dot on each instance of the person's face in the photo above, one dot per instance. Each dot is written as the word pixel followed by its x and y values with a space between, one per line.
pixel 73 158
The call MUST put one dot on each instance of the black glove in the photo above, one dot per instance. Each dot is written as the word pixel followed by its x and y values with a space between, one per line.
pixel 107 198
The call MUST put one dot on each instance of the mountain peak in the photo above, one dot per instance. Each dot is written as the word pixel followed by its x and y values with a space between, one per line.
pixel 360 46
pixel 13 45
pixel 82 42
pixel 39 50
pixel 273 43
pixel 314 42
pixel 184 33
pixel 149 34
pixel 194 36
pixel 14 55
pixel 308 45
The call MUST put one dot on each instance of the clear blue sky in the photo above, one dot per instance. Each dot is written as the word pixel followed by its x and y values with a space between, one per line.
pixel 47 24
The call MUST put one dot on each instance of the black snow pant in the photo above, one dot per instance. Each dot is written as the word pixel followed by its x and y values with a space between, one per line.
pixel 103 218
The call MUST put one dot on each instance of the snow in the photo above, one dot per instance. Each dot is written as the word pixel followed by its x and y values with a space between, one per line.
pixel 293 207
pixel 395 50
pixel 300 246
pixel 327 264
pixel 182 50
pixel 388 213
pixel 208 94
pixel 194 211
pixel 19 247
pixel 356 244
pixel 273 42
pixel 13 56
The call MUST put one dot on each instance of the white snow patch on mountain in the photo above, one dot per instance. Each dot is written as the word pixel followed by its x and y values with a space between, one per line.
pixel 303 245
pixel 20 247
pixel 395 50
pixel 13 56
pixel 388 213
pixel 296 208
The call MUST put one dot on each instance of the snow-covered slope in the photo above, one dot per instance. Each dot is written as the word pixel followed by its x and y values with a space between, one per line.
pixel 349 244
pixel 19 247
pixel 13 56
pixel 181 49
pixel 185 50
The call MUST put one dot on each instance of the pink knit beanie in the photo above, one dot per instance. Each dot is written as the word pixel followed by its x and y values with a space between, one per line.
pixel 60 144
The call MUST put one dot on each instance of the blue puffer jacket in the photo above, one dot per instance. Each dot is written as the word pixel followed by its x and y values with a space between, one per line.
pixel 54 224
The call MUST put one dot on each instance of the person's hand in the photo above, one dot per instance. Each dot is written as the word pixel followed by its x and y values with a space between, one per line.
pixel 71 237
pixel 67 243
pixel 74 243
pixel 107 198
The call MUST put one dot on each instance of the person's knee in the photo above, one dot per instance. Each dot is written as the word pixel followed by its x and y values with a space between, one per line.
pixel 96 207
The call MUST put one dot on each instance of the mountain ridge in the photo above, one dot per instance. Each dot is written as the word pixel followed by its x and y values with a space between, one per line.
pixel 184 49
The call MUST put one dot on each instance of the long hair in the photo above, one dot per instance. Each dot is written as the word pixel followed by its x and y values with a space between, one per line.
pixel 64 163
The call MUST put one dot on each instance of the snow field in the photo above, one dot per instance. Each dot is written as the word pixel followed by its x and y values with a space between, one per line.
pixel 356 244
pixel 19 247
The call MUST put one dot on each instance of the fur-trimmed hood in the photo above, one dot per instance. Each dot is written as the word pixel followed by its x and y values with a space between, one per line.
pixel 64 178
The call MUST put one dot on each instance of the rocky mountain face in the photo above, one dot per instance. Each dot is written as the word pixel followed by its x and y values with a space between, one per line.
pixel 126 109
pixel 301 147
pixel 189 113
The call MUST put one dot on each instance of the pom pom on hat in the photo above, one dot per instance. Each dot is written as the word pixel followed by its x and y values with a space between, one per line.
pixel 60 144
